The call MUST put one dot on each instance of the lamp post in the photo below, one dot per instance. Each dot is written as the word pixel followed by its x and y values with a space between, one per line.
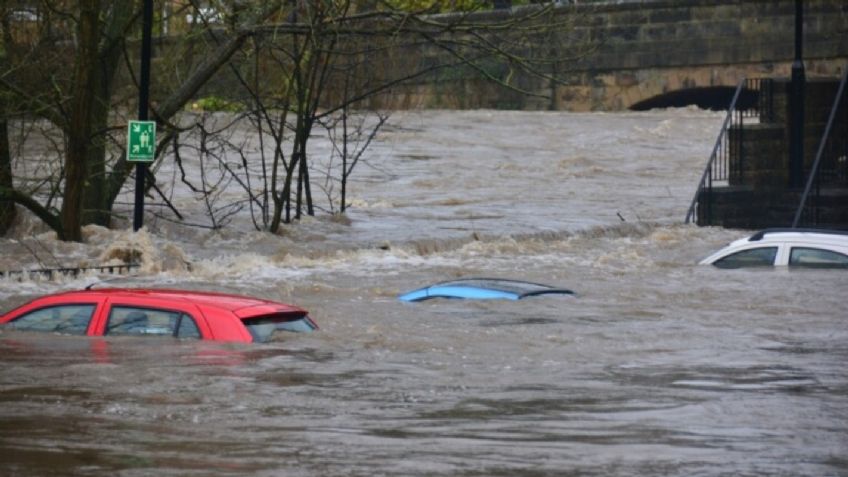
pixel 796 105
pixel 143 106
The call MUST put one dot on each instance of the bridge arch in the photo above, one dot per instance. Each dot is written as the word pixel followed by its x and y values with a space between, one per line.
pixel 715 98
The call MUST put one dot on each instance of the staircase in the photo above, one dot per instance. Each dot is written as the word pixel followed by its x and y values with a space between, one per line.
pixel 745 183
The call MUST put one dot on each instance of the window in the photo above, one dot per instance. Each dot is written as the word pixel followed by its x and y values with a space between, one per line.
pixel 187 328
pixel 817 258
pixel 132 321
pixel 70 319
pixel 755 257
pixel 264 328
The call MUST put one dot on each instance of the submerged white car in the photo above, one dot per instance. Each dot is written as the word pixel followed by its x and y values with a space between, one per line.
pixel 814 248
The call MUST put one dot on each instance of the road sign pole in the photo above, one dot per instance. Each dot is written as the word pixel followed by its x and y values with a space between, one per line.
pixel 143 106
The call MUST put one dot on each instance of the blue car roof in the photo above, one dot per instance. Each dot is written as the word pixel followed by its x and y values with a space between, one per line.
pixel 483 289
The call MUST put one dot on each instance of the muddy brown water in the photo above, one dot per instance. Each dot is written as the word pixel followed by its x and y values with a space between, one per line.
pixel 657 367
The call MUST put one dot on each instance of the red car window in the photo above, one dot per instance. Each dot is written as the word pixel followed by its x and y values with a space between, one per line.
pixel 135 321
pixel 70 319
pixel 263 328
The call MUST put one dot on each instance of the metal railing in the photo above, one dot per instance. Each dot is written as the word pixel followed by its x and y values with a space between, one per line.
pixel 753 98
pixel 70 271
pixel 830 166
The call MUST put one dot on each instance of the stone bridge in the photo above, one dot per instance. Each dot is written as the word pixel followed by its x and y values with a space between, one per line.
pixel 665 53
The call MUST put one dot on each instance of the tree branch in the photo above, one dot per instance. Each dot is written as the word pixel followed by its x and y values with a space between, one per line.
pixel 52 220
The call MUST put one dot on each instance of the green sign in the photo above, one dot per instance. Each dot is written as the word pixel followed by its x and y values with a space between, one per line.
pixel 141 141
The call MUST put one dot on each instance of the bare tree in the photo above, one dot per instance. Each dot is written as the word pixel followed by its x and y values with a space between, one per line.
pixel 333 57
pixel 310 63
pixel 350 135
pixel 91 40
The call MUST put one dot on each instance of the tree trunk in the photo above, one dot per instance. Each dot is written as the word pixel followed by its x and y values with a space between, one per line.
pixel 78 131
pixel 96 200
pixel 7 207
pixel 95 206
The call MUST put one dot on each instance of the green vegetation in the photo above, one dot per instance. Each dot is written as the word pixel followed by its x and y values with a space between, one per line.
pixel 215 103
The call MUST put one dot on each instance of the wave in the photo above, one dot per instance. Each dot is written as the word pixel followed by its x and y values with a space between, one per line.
pixel 599 251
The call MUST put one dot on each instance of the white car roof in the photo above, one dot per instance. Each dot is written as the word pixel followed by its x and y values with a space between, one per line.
pixel 831 239
pixel 809 235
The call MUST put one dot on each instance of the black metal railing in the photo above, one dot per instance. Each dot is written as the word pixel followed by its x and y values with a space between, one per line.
pixel 753 98
pixel 763 88
pixel 69 271
pixel 830 167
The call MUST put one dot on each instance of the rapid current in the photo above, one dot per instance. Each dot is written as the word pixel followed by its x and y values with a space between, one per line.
pixel 658 366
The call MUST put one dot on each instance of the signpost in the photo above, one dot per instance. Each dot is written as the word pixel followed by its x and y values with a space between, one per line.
pixel 141 134
pixel 141 141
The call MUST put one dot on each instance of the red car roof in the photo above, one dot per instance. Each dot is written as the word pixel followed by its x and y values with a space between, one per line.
pixel 218 316
pixel 224 301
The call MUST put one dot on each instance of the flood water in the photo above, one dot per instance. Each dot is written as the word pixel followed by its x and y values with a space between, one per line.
pixel 657 367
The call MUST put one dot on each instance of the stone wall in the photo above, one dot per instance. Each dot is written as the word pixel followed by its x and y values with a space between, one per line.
pixel 646 49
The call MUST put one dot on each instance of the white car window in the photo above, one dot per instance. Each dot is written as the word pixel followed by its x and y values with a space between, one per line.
pixel 754 257
pixel 816 258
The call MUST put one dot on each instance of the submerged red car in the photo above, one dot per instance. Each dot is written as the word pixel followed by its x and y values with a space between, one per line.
pixel 151 312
